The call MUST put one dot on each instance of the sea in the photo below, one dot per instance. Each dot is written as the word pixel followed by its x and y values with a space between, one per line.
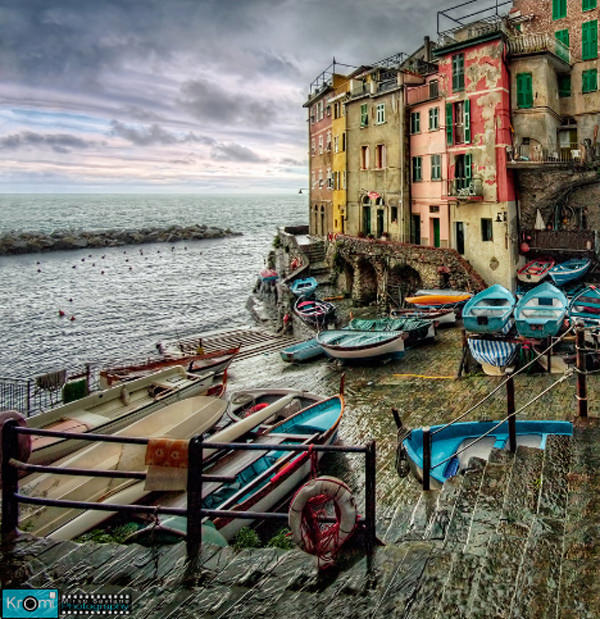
pixel 119 302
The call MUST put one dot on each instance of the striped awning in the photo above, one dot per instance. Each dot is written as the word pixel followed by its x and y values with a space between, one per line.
pixel 492 352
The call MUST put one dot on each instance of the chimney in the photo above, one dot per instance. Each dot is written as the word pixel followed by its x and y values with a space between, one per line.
pixel 427 46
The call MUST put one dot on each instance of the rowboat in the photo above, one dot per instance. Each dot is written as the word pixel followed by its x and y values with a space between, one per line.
pixel 179 420
pixel 362 345
pixel 108 411
pixel 535 270
pixel 216 361
pixel 489 310
pixel 313 311
pixel 446 462
pixel 540 312
pixel 262 478
pixel 440 316
pixel 585 307
pixel 416 329
pixel 569 270
pixel 268 275
pixel 304 287
pixel 246 402
pixel 433 297
pixel 493 355
pixel 63 523
pixel 303 351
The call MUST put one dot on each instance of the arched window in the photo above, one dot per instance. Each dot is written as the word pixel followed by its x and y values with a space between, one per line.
pixel 379 202
pixel 366 200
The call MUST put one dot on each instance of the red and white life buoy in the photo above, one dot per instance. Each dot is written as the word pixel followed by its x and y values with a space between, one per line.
pixel 23 440
pixel 255 409
pixel 309 504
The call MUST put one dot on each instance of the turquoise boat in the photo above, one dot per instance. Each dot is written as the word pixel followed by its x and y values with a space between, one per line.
pixel 569 271
pixel 446 462
pixel 304 287
pixel 540 312
pixel 348 345
pixel 304 351
pixel 489 310
pixel 417 329
pixel 585 307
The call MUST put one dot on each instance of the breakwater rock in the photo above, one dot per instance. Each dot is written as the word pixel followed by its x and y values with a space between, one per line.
pixel 33 242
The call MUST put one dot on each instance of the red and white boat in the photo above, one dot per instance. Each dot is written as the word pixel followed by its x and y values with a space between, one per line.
pixel 535 270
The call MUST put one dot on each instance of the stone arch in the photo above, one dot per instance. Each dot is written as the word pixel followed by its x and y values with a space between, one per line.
pixel 346 277
pixel 365 282
pixel 402 281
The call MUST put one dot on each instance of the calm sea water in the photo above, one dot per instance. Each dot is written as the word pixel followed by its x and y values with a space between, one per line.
pixel 125 299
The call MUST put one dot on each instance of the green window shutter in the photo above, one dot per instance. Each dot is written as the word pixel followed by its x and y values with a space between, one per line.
pixel 458 72
pixel 449 125
pixel 563 37
pixel 364 115
pixel 589 80
pixel 589 40
pixel 467 121
pixel 524 90
pixel 588 5
pixel 468 168
pixel 559 9
pixel 564 86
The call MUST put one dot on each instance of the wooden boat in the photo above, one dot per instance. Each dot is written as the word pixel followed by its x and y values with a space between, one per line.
pixel 440 316
pixel 489 310
pixel 535 270
pixel 416 329
pixel 107 411
pixel 540 312
pixel 585 307
pixel 304 287
pixel 570 270
pixel 304 351
pixel 246 402
pixel 434 297
pixel 493 355
pixel 263 478
pixel 179 420
pixel 216 361
pixel 313 311
pixel 446 443
pixel 132 491
pixel 362 345
pixel 268 275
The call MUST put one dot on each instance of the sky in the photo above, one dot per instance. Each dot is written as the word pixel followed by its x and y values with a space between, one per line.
pixel 199 96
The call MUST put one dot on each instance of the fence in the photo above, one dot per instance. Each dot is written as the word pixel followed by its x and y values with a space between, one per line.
pixel 195 513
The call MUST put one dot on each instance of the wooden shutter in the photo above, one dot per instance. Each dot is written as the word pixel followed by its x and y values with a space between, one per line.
pixel 563 37
pixel 589 40
pixel 449 125
pixel 468 170
pixel 467 121
pixel 524 90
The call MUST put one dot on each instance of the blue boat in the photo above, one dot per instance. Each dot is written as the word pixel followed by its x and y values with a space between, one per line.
pixel 304 287
pixel 492 353
pixel 349 345
pixel 452 439
pixel 541 311
pixel 585 307
pixel 303 351
pixel 416 329
pixel 569 270
pixel 489 310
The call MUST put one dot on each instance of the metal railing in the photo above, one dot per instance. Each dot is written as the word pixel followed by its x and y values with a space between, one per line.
pixel 560 240
pixel 465 189
pixel 460 17
pixel 530 155
pixel 194 512
pixel 421 94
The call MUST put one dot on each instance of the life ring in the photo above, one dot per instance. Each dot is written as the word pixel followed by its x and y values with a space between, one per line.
pixel 255 409
pixel 295 263
pixel 23 440
pixel 306 506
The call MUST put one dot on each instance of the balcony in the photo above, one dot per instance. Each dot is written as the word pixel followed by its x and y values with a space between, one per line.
pixel 538 44
pixel 467 190
pixel 560 240
pixel 535 156
pixel 420 94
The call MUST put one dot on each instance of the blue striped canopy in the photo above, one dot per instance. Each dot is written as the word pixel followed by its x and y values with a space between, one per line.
pixel 492 352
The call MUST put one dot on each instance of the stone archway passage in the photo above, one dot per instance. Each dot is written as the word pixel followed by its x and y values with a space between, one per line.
pixel 346 279
pixel 402 282
pixel 365 282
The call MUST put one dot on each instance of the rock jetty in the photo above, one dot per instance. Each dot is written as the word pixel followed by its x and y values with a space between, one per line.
pixel 33 242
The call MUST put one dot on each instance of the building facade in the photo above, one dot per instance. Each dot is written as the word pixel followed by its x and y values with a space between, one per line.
pixel 337 102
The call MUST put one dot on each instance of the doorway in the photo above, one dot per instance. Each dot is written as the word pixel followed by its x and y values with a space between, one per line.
pixel 435 231
pixel 366 220
pixel 459 228
pixel 416 229
pixel 379 223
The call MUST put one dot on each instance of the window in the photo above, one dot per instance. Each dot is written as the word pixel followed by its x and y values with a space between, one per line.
pixel 364 115
pixel 458 122
pixel 380 113
pixel 589 40
pixel 486 229
pixel 321 144
pixel 589 80
pixel 564 85
pixel 559 9
pixel 380 156
pixel 434 118
pixel 415 122
pixel 458 72
pixel 433 89
pixel 436 167
pixel 462 172
pixel 394 214
pixel 319 110
pixel 417 174
pixel 562 36
pixel 434 209
pixel 312 146
pixel 364 157
pixel 314 179
pixel 524 90
pixel 588 5
pixel 329 140
pixel 329 179
pixel 336 143
pixel 320 178
pixel 344 179
pixel 328 110
pixel 343 141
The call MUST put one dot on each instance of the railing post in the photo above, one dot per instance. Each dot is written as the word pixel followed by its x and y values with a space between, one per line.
pixel 370 501
pixel 10 482
pixel 426 457
pixel 28 413
pixel 194 498
pixel 582 403
pixel 510 409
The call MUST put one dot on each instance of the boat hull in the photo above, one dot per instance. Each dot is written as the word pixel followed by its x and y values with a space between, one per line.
pixel 569 271
pixel 489 311
pixel 304 351
pixel 534 271
pixel 541 311
pixel 391 346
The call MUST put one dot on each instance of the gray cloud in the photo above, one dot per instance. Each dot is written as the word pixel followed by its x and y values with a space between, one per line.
pixel 58 142
pixel 235 152
pixel 154 134
pixel 292 162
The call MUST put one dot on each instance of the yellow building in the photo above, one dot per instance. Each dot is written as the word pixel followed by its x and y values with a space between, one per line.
pixel 339 167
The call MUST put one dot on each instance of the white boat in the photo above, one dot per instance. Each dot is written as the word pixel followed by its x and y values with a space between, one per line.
pixel 107 411
pixel 362 345
pixel 243 403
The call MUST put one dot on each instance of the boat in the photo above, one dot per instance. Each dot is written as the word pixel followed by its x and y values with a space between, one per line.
pixel 263 478
pixel 362 345
pixel 313 311
pixel 489 310
pixel 541 311
pixel 585 307
pixel 535 270
pixel 416 329
pixel 216 361
pixel 179 420
pixel 246 402
pixel 451 439
pixel 493 355
pixel 304 287
pixel 109 410
pixel 441 316
pixel 268 275
pixel 570 270
pixel 435 297
pixel 304 351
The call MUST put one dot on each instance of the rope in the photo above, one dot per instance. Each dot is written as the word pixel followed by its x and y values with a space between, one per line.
pixel 320 539
pixel 423 376
pixel 491 393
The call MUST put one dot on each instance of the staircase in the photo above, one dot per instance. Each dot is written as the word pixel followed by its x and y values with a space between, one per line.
pixel 318 267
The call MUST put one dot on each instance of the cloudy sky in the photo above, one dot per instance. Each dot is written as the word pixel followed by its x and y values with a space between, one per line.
pixel 177 95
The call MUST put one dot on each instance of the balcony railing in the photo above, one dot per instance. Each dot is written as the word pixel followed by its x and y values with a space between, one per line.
pixel 531 156
pixel 536 44
pixel 466 189
pixel 426 92
pixel 560 240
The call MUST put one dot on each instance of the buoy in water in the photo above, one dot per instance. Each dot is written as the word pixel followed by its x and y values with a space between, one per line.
pixel 72 318
pixel 61 313
pixel 101 272
pixel 39 270
pixel 70 300
pixel 74 266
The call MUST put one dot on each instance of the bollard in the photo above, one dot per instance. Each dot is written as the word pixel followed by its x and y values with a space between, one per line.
pixel 510 410
pixel 370 504
pixel 194 498
pixel 582 403
pixel 426 457
pixel 10 482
